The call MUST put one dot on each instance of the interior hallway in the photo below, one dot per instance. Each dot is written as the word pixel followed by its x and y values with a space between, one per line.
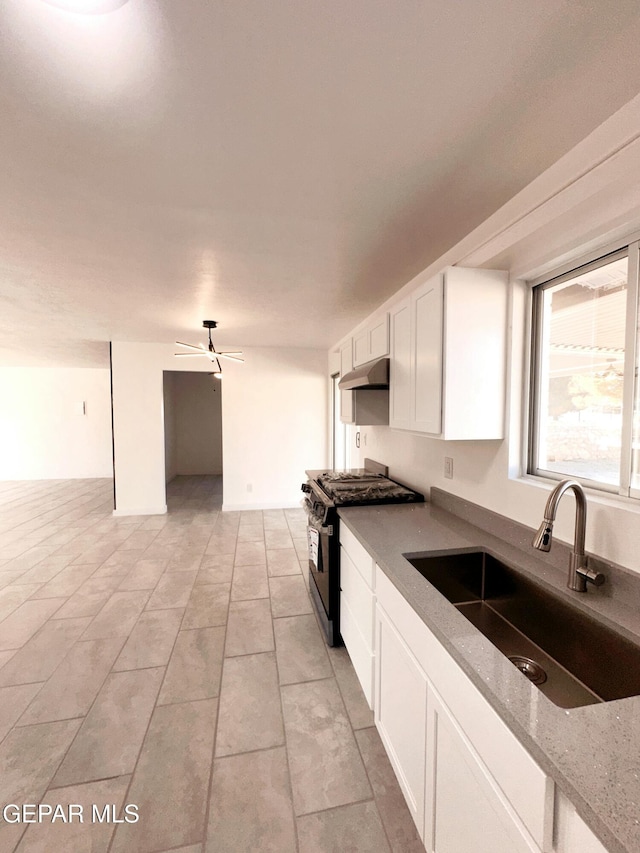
pixel 173 662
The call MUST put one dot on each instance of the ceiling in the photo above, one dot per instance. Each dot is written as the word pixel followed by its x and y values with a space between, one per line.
pixel 280 167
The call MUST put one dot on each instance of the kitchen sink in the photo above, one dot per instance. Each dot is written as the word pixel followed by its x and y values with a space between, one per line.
pixel 573 659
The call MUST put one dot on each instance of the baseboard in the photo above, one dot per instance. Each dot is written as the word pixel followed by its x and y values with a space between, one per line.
pixel 155 510
pixel 277 505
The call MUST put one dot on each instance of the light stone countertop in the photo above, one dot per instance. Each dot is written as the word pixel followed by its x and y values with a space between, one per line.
pixel 593 752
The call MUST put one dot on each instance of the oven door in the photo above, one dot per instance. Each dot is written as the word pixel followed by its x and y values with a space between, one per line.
pixel 324 577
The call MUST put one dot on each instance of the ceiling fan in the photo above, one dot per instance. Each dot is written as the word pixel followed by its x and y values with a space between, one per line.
pixel 210 351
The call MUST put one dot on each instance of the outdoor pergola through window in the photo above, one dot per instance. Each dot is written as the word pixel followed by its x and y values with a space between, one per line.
pixel 585 422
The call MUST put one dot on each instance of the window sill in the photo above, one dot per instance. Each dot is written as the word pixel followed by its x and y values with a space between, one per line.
pixel 595 496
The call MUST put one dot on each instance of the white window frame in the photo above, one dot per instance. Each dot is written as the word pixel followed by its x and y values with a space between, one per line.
pixel 631 248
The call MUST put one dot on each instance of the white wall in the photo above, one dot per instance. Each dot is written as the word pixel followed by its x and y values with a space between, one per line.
pixel 194 441
pixel 43 433
pixel 274 426
pixel 583 202
pixel 274 416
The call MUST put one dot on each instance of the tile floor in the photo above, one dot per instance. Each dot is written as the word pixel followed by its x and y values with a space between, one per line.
pixel 174 663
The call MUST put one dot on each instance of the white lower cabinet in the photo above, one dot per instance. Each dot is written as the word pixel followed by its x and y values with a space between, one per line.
pixel 572 835
pixel 469 783
pixel 357 608
pixel 466 810
pixel 356 623
pixel 401 713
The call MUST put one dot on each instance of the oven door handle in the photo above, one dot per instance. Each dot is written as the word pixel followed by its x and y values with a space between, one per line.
pixel 316 523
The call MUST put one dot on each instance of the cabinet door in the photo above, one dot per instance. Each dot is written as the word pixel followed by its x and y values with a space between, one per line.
pixel 465 809
pixel 426 383
pixel 475 354
pixel 400 367
pixel 346 397
pixel 401 713
pixel 378 335
pixel 361 348
pixel 571 832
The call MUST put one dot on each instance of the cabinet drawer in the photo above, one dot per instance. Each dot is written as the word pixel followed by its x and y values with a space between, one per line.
pixel 359 597
pixel 360 652
pixel 360 557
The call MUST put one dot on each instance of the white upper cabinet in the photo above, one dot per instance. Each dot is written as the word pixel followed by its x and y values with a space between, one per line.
pixel 400 366
pixel 346 397
pixel 426 354
pixel 366 406
pixel 448 356
pixel 372 342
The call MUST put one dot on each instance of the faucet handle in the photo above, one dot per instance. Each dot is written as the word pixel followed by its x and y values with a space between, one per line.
pixel 596 578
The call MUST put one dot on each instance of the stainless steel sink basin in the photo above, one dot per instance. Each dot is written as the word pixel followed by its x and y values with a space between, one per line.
pixel 573 659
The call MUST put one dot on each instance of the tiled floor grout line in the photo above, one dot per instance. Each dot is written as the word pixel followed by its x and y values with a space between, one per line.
pixel 46 512
pixel 185 533
pixel 82 717
pixel 52 788
pixel 207 810
pixel 284 729
pixel 371 799
pixel 86 715
pixel 34 501
pixel 151 715
pixel 373 790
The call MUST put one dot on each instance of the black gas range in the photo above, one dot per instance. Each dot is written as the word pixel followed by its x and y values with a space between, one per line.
pixel 325 492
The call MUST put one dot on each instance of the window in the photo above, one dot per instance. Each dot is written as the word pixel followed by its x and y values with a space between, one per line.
pixel 585 422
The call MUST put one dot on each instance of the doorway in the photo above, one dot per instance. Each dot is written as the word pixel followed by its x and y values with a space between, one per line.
pixel 192 433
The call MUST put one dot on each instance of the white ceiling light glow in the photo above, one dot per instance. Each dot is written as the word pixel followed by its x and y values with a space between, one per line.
pixel 98 63
pixel 87 7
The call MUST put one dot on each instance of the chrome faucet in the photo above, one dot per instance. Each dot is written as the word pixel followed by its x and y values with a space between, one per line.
pixel 579 573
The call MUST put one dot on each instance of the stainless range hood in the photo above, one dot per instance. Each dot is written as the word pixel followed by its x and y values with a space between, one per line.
pixel 373 375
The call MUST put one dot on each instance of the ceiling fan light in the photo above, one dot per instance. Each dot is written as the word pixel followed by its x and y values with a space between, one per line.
pixel 210 351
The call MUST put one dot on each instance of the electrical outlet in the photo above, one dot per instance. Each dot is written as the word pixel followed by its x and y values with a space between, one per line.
pixel 448 467
pixel 358 439
pixel 249 487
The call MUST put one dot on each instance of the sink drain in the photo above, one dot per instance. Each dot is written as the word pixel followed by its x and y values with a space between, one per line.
pixel 530 668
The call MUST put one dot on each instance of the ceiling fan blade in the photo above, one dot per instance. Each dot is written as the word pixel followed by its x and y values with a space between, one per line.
pixel 231 352
pixel 190 346
pixel 230 357
pixel 191 354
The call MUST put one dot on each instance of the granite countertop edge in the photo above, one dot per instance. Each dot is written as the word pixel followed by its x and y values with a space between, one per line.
pixel 586 751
